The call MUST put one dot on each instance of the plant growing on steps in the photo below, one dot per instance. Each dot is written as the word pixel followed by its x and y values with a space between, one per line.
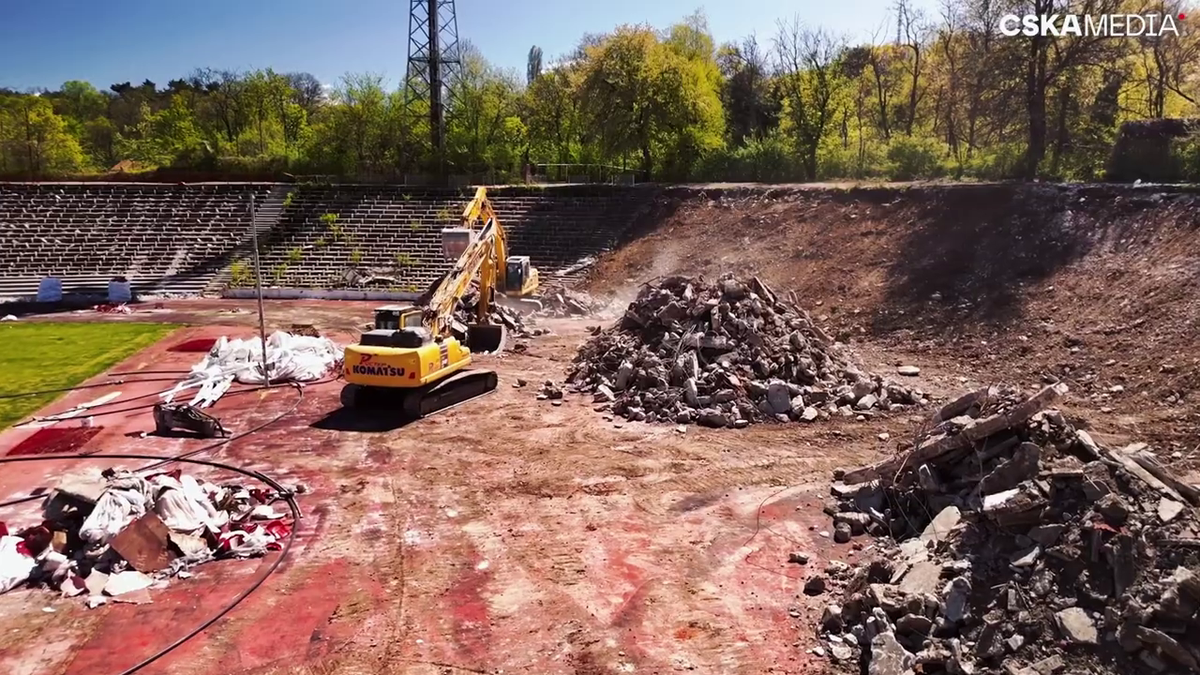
pixel 287 201
pixel 404 260
pixel 295 255
pixel 330 221
pixel 444 214
pixel 277 273
pixel 355 256
pixel 240 275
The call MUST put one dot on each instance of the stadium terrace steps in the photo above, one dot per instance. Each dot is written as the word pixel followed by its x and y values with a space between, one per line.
pixel 329 235
pixel 194 238
pixel 163 238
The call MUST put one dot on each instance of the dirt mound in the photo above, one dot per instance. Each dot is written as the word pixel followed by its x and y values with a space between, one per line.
pixel 1047 550
pixel 726 353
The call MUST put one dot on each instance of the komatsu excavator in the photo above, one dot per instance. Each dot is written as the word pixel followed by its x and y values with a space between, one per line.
pixel 518 282
pixel 418 356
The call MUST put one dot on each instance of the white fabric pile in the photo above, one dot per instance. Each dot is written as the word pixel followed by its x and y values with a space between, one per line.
pixel 290 358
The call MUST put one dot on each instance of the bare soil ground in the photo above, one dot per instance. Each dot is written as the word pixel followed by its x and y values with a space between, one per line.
pixel 1094 286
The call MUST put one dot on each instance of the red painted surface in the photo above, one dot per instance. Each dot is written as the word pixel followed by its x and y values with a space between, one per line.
pixel 201 345
pixel 55 440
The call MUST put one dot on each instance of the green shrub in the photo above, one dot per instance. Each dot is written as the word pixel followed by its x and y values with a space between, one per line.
pixel 240 275
pixel 914 157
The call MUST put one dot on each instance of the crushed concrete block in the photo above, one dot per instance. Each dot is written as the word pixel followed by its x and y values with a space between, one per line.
pixel 888 657
pixel 956 600
pixel 924 577
pixel 1076 626
pixel 942 524
pixel 1046 535
pixel 831 619
pixel 1169 509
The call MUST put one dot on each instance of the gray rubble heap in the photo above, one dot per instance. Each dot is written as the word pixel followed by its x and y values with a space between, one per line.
pixel 1048 553
pixel 725 353
pixel 559 301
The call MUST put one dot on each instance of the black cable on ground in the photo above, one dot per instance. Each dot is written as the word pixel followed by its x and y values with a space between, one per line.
pixel 111 383
pixel 149 372
pixel 190 453
pixel 257 475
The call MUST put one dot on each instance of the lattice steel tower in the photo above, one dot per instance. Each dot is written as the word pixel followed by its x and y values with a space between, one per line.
pixel 433 62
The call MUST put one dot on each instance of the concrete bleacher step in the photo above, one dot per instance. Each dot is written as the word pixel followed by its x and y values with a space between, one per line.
pixel 184 239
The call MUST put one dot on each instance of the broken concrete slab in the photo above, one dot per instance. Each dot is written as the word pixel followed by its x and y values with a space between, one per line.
pixel 1076 626
pixel 888 657
pixel 1169 509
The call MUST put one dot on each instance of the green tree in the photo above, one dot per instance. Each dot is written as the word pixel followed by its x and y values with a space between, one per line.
pixel 640 97
pixel 810 79
pixel 163 137
pixel 34 141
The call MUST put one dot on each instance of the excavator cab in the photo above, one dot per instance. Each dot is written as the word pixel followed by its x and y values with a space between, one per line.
pixel 397 326
pixel 520 278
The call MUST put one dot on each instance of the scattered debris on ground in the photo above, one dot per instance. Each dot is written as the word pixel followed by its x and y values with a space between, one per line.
pixel 559 301
pixel 726 354
pixel 1026 548
pixel 121 535
pixel 290 358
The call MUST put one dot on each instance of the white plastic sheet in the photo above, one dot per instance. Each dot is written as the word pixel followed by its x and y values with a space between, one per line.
pixel 125 498
pixel 290 358
pixel 15 567
pixel 185 507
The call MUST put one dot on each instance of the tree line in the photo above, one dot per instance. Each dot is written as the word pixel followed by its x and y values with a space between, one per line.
pixel 930 94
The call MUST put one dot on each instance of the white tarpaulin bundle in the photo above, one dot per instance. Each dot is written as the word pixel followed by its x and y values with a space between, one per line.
pixel 290 358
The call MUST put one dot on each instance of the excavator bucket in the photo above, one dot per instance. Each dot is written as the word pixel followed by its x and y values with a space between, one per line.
pixel 486 339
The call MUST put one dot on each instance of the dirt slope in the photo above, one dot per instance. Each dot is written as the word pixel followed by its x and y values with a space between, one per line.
pixel 1096 285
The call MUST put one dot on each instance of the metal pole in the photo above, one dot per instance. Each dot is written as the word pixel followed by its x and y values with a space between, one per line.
pixel 262 319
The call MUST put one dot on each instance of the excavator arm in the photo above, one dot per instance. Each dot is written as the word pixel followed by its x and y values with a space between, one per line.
pixel 480 257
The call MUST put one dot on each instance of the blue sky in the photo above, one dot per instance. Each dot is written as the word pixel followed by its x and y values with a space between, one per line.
pixel 44 43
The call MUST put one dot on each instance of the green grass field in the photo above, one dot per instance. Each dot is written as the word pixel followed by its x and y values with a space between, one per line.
pixel 41 356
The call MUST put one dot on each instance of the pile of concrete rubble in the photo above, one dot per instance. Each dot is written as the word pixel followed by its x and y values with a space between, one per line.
pixel 120 535
pixel 560 301
pixel 723 353
pixel 1045 553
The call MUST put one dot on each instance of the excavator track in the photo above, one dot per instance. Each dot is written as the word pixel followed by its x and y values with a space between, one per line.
pixel 458 388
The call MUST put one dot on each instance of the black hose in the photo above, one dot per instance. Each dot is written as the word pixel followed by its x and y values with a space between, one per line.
pixel 149 372
pixel 22 394
pixel 190 453
pixel 257 475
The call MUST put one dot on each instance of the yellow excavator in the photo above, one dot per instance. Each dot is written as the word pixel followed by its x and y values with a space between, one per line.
pixel 518 282
pixel 418 356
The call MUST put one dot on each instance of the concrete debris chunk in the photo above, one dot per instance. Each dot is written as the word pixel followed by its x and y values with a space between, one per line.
pixel 1011 542
pixel 1076 626
pixel 889 657
pixel 727 353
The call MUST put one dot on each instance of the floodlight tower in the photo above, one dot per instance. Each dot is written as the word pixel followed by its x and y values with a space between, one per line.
pixel 434 63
